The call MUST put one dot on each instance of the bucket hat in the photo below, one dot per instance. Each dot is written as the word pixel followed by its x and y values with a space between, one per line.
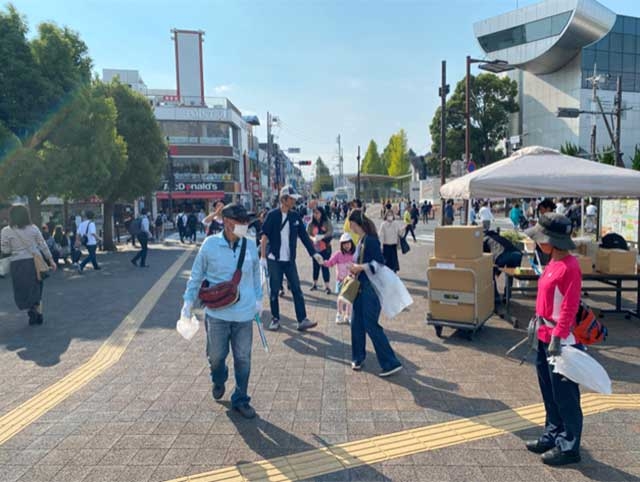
pixel 346 237
pixel 554 229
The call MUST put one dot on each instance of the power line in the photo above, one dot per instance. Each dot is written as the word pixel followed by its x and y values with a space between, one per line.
pixel 302 137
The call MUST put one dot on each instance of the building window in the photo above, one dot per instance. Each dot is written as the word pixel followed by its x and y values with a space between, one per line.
pixel 528 32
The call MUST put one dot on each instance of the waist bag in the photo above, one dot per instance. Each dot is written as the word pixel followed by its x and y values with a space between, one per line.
pixel 226 293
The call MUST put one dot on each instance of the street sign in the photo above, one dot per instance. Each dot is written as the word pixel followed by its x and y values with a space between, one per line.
pixel 293 150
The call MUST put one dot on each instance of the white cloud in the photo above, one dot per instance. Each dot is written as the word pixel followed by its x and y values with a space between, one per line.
pixel 223 89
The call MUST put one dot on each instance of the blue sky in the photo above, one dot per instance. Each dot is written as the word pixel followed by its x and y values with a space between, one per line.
pixel 359 68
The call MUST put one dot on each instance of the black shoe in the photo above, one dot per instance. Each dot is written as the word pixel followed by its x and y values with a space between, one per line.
pixel 97 268
pixel 556 457
pixel 245 410
pixel 33 317
pixel 217 392
pixel 327 291
pixel 144 265
pixel 134 262
pixel 538 447
pixel 313 288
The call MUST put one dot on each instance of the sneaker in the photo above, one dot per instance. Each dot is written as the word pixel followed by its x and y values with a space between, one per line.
pixel 356 366
pixel 97 268
pixel 274 325
pixel 135 263
pixel 338 319
pixel 306 324
pixel 217 392
pixel 327 290
pixel 388 373
pixel 246 410
pixel 313 288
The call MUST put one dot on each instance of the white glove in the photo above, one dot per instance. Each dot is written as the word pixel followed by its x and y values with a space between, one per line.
pixel 263 263
pixel 319 259
pixel 259 306
pixel 185 312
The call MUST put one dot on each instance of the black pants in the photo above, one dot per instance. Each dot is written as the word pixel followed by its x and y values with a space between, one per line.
pixel 326 254
pixel 563 424
pixel 182 232
pixel 91 258
pixel 142 254
pixel 409 229
pixel 278 269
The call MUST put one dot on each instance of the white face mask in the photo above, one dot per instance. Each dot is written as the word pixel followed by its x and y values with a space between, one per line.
pixel 240 230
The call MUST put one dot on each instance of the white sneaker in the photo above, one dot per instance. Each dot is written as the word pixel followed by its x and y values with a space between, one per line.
pixel 338 319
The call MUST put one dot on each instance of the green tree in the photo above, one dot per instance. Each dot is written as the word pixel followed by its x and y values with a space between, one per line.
pixel 570 149
pixel 323 180
pixel 635 160
pixel 607 156
pixel 372 163
pixel 493 99
pixel 146 150
pixel 397 153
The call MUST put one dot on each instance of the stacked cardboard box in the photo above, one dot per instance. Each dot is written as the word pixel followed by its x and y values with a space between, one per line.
pixel 616 261
pixel 586 263
pixel 453 292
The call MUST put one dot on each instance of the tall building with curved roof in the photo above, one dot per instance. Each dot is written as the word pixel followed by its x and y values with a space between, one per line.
pixel 556 47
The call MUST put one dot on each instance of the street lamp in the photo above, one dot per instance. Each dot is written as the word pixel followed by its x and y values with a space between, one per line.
pixel 495 67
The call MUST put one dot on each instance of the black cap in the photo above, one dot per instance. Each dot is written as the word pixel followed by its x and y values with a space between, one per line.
pixel 237 212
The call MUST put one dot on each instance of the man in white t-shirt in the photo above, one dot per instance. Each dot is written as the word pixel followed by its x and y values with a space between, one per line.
pixel 591 214
pixel 486 216
pixel 281 230
pixel 87 236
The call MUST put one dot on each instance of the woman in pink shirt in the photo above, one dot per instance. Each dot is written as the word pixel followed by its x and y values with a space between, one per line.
pixel 342 260
pixel 559 289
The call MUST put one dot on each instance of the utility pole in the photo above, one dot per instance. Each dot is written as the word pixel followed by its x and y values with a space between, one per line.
pixel 358 176
pixel 340 162
pixel 618 114
pixel 270 181
pixel 444 90
pixel 594 83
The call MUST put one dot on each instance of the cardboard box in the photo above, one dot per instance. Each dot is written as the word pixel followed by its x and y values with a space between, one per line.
pixel 446 278
pixel 616 261
pixel 458 242
pixel 459 306
pixel 586 264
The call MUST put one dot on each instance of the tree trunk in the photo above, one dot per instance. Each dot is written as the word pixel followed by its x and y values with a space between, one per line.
pixel 35 210
pixel 107 228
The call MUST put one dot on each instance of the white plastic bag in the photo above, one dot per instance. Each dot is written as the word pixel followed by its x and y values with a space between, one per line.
pixel 393 294
pixel 580 368
pixel 188 327
pixel 5 264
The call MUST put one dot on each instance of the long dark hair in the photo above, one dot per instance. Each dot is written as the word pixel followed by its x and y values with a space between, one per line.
pixel 368 226
pixel 323 217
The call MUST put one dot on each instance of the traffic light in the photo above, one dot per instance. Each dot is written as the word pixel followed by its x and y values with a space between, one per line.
pixel 304 163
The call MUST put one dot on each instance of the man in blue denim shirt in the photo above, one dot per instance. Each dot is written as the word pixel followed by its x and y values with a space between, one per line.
pixel 216 262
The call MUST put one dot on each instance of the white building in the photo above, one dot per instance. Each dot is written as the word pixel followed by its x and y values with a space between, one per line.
pixel 556 45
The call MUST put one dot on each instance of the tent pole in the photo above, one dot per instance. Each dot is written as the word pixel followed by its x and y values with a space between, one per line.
pixel 582 217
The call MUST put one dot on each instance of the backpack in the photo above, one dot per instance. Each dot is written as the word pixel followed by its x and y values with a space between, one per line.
pixel 135 227
pixel 588 330
pixel 614 241
pixel 180 221
pixel 159 220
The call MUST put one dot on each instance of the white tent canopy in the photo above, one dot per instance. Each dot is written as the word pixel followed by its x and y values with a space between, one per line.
pixel 542 172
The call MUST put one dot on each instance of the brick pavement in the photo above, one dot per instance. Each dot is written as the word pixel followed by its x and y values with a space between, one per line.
pixel 151 416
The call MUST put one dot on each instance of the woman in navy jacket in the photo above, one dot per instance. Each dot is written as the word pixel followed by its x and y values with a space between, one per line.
pixel 366 307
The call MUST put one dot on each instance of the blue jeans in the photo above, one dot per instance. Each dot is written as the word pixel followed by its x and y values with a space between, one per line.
pixel 278 269
pixel 364 321
pixel 221 334
pixel 563 424
pixel 92 256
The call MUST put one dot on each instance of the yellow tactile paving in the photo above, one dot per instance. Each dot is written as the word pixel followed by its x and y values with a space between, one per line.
pixel 317 462
pixel 106 356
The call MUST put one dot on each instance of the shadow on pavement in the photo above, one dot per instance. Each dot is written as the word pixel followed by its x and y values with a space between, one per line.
pixel 88 306
pixel 270 441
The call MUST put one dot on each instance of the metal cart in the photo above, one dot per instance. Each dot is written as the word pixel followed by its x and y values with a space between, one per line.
pixel 454 297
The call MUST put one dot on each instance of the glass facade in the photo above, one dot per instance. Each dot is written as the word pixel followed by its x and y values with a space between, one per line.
pixel 200 132
pixel 618 53
pixel 197 169
pixel 525 33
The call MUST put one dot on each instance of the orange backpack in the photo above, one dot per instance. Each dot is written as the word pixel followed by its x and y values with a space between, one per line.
pixel 588 330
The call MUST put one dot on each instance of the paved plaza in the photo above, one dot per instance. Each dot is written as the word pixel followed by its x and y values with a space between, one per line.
pixel 106 390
